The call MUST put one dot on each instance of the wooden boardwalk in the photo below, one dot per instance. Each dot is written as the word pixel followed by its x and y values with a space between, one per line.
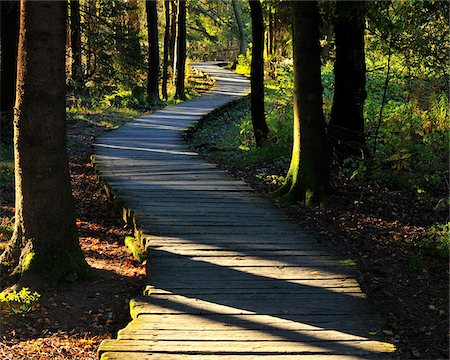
pixel 230 276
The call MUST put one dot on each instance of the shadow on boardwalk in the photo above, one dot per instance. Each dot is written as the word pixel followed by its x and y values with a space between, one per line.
pixel 229 275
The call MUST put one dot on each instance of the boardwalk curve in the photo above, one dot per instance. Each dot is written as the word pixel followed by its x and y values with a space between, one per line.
pixel 229 275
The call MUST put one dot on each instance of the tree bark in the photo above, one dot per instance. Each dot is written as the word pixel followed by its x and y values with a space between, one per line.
pixel 242 40
pixel 181 51
pixel 153 53
pixel 9 34
pixel 347 120
pixel 308 175
pixel 165 74
pixel 9 39
pixel 173 34
pixel 44 246
pixel 257 74
pixel 75 44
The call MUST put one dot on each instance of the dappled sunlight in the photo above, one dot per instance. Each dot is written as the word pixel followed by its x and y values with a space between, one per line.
pixel 155 150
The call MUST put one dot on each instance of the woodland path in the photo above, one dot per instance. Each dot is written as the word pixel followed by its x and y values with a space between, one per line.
pixel 230 276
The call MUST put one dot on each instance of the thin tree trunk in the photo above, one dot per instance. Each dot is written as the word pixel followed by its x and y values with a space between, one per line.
pixel 181 51
pixel 347 119
pixel 153 53
pixel 257 74
pixel 44 246
pixel 75 44
pixel 173 36
pixel 271 31
pixel 166 49
pixel 308 175
pixel 383 100
pixel 242 40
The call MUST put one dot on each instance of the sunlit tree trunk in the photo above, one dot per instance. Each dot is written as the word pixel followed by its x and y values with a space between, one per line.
pixel 308 177
pixel 242 40
pixel 173 36
pixel 75 44
pixel 257 74
pixel 181 51
pixel 9 13
pixel 153 53
pixel 347 121
pixel 165 73
pixel 44 246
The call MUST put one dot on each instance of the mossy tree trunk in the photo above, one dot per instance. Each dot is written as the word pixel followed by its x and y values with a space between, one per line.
pixel 44 247
pixel 346 128
pixel 9 13
pixel 75 44
pixel 153 53
pixel 260 128
pixel 308 175
pixel 181 52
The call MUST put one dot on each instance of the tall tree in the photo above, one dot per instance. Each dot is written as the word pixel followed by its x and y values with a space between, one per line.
pixel 237 15
pixel 257 74
pixel 44 246
pixel 165 74
pixel 308 175
pixel 75 43
pixel 9 31
pixel 181 51
pixel 173 34
pixel 346 126
pixel 153 53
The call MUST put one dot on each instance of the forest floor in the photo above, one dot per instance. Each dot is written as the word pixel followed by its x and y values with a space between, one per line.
pixel 381 229
pixel 70 322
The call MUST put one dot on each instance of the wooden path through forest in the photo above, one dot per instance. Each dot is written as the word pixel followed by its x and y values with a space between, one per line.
pixel 230 276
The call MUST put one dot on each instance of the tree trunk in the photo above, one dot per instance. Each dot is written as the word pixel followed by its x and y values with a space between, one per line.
pixel 181 51
pixel 134 26
pixel 9 13
pixel 165 74
pixel 308 177
pixel 242 40
pixel 75 44
pixel 173 35
pixel 44 246
pixel 153 53
pixel 347 121
pixel 257 74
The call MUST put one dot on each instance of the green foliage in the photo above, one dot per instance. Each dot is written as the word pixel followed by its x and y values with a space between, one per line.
pixel 19 302
pixel 136 248
pixel 437 240
pixel 101 115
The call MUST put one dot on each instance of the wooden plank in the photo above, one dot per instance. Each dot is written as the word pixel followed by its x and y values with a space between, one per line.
pixel 178 304
pixel 240 335
pixel 170 356
pixel 249 347
pixel 360 324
